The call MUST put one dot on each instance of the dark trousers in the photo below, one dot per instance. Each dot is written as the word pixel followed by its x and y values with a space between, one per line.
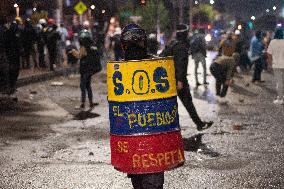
pixel 85 85
pixel 27 55
pixel 186 99
pixel 14 69
pixel 148 181
pixel 220 75
pixel 258 67
pixel 52 51
pixel 41 55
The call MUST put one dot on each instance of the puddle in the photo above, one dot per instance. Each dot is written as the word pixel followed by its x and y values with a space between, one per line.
pixel 83 115
pixel 194 144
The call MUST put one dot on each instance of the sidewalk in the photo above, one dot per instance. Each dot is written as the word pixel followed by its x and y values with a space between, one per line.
pixel 33 75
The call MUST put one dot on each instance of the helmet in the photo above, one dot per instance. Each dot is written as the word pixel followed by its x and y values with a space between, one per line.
pixel 133 34
pixel 182 31
pixel 85 38
pixel 42 21
pixel 51 21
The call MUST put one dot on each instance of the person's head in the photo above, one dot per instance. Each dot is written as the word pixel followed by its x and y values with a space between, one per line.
pixel 51 22
pixel 28 23
pixel 133 37
pixel 258 34
pixel 182 31
pixel 86 24
pixel 278 34
pixel 85 38
pixel 229 35
pixel 42 22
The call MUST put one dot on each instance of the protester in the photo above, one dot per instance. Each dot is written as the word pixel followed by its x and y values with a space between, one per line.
pixel 198 51
pixel 153 44
pixel 256 55
pixel 62 43
pixel 4 65
pixel 228 45
pixel 89 65
pixel 179 49
pixel 116 43
pixel 29 38
pixel 134 43
pixel 14 49
pixel 222 69
pixel 52 39
pixel 276 59
pixel 42 35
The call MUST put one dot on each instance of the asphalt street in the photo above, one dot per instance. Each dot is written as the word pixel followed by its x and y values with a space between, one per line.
pixel 46 143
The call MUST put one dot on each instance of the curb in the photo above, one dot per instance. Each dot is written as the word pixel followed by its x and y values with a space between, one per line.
pixel 46 76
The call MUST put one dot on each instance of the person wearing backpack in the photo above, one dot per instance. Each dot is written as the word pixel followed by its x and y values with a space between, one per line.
pixel 89 65
pixel 52 39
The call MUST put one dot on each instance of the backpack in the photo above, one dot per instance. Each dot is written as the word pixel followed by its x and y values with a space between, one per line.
pixel 91 64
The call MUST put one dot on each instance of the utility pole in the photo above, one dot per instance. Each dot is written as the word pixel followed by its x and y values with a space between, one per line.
pixel 59 11
pixel 180 6
pixel 158 22
pixel 190 16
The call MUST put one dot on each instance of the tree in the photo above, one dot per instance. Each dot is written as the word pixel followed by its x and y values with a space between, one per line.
pixel 150 13
pixel 203 14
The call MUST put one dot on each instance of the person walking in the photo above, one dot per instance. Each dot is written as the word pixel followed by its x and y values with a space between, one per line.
pixel 29 37
pixel 276 59
pixel 4 65
pixel 14 49
pixel 41 38
pixel 179 49
pixel 52 38
pixel 198 51
pixel 89 65
pixel 256 54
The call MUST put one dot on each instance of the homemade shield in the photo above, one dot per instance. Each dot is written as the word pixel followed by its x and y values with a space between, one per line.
pixel 144 123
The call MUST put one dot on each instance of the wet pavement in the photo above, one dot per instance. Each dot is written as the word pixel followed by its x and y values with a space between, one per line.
pixel 46 143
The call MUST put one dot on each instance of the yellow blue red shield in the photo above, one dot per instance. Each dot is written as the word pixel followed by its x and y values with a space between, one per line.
pixel 144 123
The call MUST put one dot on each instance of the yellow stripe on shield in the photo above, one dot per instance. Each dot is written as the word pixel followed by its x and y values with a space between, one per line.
pixel 141 80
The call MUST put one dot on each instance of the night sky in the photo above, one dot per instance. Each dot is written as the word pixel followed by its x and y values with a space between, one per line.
pixel 247 8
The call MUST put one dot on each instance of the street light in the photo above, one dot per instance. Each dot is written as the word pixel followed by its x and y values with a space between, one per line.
pixel 16 6
pixel 103 11
pixel 267 10
pixel 212 2
pixel 274 7
pixel 252 17
pixel 93 7
pixel 196 2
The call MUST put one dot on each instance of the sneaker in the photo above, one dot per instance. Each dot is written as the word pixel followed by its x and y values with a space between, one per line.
pixel 278 101
pixel 206 125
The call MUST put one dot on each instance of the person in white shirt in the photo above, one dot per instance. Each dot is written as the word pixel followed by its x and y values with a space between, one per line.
pixel 276 59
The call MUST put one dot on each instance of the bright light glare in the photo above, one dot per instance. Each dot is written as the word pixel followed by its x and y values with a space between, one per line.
pixel 93 7
pixel 212 2
pixel 196 2
pixel 103 11
pixel 267 10
pixel 34 9
pixel 16 5
pixel 239 27
pixel 208 37
pixel 253 17
pixel 274 8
